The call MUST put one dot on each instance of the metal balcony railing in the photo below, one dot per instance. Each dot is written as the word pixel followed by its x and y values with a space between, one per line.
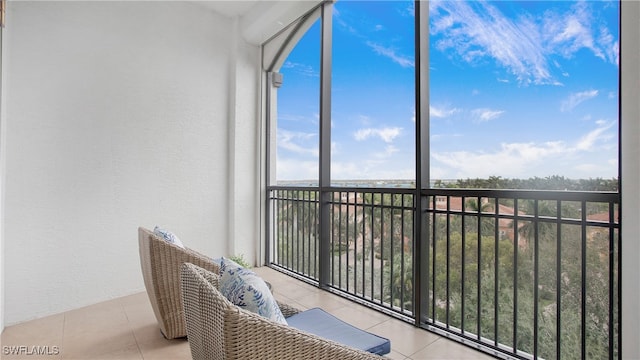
pixel 522 274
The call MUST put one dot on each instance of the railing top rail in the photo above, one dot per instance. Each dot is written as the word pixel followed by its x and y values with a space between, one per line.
pixel 563 195
pixel 384 190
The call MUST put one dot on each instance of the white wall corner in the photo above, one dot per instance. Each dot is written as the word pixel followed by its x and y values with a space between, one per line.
pixel 243 143
pixel 3 172
pixel 3 121
pixel 231 138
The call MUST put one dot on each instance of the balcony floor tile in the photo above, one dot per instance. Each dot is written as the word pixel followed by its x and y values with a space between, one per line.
pixel 125 328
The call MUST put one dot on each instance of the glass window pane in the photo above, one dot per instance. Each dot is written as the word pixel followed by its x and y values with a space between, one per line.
pixel 524 89
pixel 373 93
pixel 297 132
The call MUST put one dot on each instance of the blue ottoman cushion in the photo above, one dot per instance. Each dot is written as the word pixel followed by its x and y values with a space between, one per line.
pixel 319 322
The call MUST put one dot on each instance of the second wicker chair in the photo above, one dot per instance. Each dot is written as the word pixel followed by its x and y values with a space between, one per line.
pixel 219 330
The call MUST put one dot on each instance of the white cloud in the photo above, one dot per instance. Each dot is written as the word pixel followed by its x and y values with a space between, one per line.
pixel 313 119
pixel 388 151
pixel 528 159
pixel 477 30
pixel 370 170
pixel 588 141
pixel 303 69
pixel 295 169
pixel 588 168
pixel 439 112
pixel 484 115
pixel 579 29
pixel 364 119
pixel 404 61
pixel 510 160
pixel 524 46
pixel 576 99
pixel 386 134
pixel 298 142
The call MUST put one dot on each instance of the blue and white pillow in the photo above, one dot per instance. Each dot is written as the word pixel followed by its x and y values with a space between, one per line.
pixel 168 236
pixel 247 290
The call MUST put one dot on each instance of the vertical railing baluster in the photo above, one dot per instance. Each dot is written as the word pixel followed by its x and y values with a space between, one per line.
pixel 463 274
pixel 371 247
pixel 347 259
pixel 303 232
pixel 289 229
pixel 611 280
pixel 275 218
pixel 393 241
pixel 291 239
pixel 536 272
pixel 312 217
pixel 516 245
pixel 496 269
pixel 432 267
pixel 618 250
pixel 317 232
pixel 340 237
pixel 281 226
pixel 448 259
pixel 583 325
pixel 333 242
pixel 558 279
pixel 479 290
pixel 390 240
pixel 292 220
pixel 308 204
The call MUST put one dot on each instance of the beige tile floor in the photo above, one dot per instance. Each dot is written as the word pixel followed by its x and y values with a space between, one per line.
pixel 125 328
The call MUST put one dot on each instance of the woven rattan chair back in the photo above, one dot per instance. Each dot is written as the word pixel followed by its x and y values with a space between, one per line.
pixel 160 262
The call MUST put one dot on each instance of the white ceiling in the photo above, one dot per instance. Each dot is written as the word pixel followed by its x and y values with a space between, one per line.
pixel 260 19
pixel 229 8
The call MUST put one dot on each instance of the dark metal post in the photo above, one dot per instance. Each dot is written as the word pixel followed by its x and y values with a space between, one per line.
pixel 325 147
pixel 421 223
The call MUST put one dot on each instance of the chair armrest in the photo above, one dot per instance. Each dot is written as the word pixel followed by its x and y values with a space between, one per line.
pixel 250 336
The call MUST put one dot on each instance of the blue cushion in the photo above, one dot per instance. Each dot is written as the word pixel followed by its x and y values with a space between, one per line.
pixel 321 323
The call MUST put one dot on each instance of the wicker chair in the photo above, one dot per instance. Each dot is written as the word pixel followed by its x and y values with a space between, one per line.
pixel 219 330
pixel 161 263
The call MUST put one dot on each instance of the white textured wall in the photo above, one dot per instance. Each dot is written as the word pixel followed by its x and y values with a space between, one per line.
pixel 117 116
pixel 630 48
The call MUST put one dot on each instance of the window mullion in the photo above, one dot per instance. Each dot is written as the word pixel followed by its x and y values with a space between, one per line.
pixel 325 145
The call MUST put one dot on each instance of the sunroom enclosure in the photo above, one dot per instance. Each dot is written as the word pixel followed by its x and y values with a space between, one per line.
pixel 523 274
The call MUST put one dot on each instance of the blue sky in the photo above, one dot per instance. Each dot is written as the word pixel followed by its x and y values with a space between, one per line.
pixel 517 89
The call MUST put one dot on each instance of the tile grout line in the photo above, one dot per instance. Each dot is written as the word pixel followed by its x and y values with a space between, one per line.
pixel 62 336
pixel 133 333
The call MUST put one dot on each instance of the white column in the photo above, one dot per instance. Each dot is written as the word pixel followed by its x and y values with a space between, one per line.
pixel 630 138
